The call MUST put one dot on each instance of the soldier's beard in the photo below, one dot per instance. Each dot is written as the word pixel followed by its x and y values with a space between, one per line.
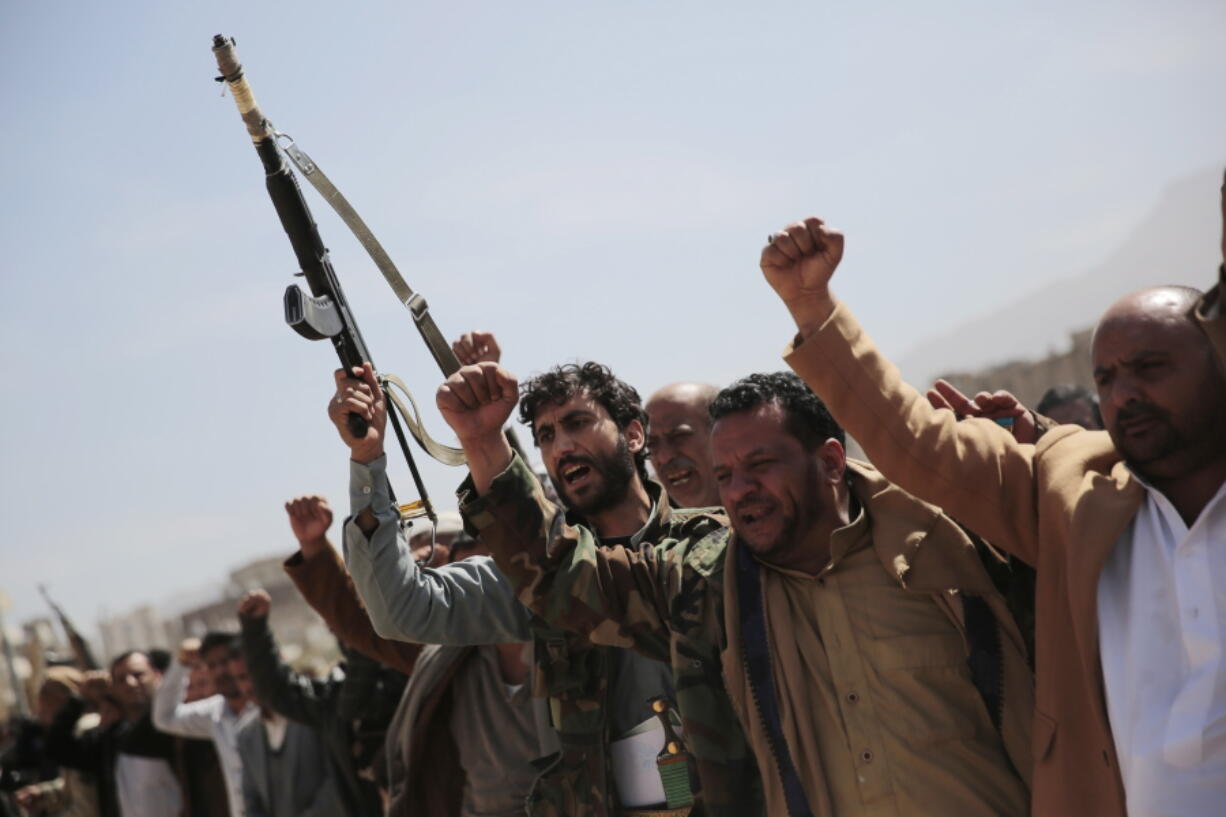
pixel 615 471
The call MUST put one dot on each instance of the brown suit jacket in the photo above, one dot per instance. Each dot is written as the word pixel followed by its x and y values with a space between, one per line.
pixel 327 586
pixel 1060 506
pixel 425 744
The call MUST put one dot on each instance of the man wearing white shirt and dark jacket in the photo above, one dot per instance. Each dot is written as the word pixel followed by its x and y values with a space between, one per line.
pixel 286 772
pixel 130 759
pixel 332 707
pixel 219 717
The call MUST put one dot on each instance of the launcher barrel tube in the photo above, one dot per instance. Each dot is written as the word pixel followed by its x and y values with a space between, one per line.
pixel 231 70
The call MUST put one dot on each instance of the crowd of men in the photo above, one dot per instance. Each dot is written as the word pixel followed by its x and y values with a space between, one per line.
pixel 704 607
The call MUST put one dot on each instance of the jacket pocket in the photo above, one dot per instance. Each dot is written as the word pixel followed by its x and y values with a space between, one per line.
pixel 1042 736
pixel 909 652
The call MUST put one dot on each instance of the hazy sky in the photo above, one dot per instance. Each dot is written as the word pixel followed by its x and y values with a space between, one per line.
pixel 587 179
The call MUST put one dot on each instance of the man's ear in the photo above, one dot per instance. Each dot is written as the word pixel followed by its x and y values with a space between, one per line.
pixel 636 436
pixel 833 458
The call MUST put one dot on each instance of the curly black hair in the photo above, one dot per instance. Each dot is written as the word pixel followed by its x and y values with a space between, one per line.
pixel 561 383
pixel 806 416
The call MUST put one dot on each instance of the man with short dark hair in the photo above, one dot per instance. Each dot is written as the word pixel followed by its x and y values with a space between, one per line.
pixel 197 761
pixel 591 431
pixel 678 443
pixel 219 717
pixel 286 768
pixel 1124 529
pixel 1070 404
pixel 319 706
pixel 130 759
pixel 822 633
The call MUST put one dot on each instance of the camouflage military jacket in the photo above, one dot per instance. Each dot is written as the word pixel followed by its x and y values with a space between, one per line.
pixel 575 676
pixel 589 691
pixel 519 524
pixel 669 601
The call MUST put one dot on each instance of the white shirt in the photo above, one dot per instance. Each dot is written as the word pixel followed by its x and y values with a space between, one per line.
pixel 1161 621
pixel 147 787
pixel 208 718
pixel 274 730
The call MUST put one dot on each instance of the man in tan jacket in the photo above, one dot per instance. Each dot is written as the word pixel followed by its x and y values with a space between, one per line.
pixel 1127 530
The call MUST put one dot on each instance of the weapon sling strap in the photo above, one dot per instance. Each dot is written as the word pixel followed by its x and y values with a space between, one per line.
pixel 761 680
pixel 446 454
pixel 413 301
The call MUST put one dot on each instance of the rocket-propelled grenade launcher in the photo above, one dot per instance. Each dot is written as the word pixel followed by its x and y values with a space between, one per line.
pixel 325 313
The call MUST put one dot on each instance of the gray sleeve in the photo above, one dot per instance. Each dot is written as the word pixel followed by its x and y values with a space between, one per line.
pixel 463 603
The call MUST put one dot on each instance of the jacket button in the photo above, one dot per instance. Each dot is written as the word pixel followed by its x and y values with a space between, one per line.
pixel 852 698
pixel 866 756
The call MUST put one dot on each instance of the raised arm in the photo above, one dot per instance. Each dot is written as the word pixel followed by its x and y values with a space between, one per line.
pixel 467 602
pixel 65 747
pixel 276 685
pixel 611 595
pixel 320 576
pixel 1211 310
pixel 171 714
pixel 973 469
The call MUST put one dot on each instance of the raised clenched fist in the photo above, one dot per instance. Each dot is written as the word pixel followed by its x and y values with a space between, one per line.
pixel 309 518
pixel 477 400
pixel 798 263
pixel 254 604
pixel 477 347
pixel 96 686
pixel 189 652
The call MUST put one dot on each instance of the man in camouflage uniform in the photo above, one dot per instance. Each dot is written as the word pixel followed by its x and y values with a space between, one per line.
pixel 591 430
pixel 841 628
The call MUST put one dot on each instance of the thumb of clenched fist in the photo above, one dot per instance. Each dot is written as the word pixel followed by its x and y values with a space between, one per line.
pixel 477 400
pixel 799 261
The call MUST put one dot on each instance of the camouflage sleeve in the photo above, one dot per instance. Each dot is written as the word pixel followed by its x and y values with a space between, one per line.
pixel 612 596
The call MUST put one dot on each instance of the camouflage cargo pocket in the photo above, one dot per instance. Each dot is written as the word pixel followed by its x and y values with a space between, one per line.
pixel 570 786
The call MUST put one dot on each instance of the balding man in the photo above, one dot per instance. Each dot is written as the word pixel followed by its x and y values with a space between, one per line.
pixel 678 442
pixel 1127 530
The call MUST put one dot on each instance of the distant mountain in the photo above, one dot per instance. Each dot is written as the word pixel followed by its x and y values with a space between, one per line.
pixel 1172 248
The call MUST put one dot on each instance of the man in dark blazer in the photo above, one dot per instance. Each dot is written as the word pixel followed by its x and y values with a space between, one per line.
pixel 286 772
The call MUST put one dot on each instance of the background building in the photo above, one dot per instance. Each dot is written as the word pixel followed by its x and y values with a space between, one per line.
pixel 1029 379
